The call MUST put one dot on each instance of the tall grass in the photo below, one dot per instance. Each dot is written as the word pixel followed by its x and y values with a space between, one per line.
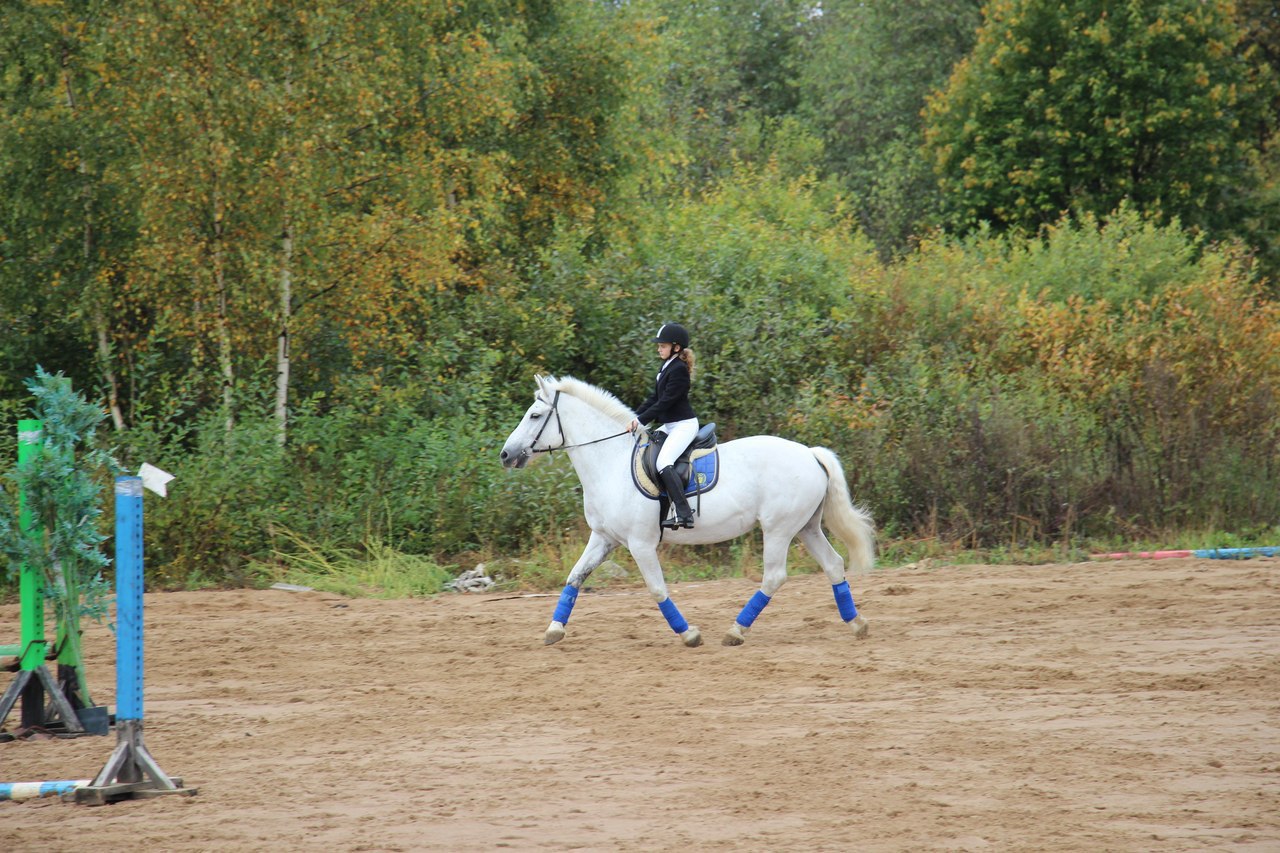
pixel 375 570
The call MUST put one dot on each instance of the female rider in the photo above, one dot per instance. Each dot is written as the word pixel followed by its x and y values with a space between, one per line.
pixel 669 405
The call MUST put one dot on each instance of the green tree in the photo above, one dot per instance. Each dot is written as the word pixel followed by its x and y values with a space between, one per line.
pixel 863 84
pixel 64 221
pixel 62 493
pixel 754 265
pixel 726 79
pixel 1260 20
pixel 1080 105
pixel 321 184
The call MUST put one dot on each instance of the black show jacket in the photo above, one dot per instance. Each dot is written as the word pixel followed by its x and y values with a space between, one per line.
pixel 669 401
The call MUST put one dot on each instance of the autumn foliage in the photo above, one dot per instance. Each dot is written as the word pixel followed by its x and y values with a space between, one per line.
pixel 308 256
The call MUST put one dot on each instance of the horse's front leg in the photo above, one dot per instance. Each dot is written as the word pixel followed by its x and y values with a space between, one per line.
pixel 598 547
pixel 651 570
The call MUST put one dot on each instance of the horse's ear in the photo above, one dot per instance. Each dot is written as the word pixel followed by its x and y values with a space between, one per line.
pixel 542 382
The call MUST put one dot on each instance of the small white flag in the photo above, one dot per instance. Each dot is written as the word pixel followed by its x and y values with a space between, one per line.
pixel 154 479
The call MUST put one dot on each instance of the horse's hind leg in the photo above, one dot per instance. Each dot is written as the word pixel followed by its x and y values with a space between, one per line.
pixel 651 570
pixel 833 567
pixel 598 547
pixel 775 575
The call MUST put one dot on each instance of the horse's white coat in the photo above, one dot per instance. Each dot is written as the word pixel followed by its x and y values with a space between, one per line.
pixel 785 487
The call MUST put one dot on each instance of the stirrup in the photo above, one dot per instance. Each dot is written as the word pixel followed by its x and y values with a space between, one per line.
pixel 675 522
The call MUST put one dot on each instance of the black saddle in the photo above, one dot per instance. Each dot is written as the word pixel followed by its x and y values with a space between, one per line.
pixel 705 440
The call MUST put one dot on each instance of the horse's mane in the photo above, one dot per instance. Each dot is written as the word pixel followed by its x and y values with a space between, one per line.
pixel 597 398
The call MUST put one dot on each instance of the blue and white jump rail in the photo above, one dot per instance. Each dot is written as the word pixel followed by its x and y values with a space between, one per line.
pixel 1199 553
pixel 35 790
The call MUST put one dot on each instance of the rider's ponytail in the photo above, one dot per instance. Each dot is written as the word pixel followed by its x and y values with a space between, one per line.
pixel 686 355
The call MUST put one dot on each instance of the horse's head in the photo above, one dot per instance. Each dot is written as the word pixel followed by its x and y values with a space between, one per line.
pixel 533 433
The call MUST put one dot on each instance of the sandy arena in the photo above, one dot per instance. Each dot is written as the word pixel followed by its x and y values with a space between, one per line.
pixel 1132 705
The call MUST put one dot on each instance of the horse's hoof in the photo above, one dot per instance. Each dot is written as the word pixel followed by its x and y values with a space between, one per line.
pixel 735 636
pixel 692 638
pixel 860 628
pixel 555 633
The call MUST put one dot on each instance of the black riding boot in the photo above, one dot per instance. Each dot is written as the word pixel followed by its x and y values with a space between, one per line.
pixel 675 491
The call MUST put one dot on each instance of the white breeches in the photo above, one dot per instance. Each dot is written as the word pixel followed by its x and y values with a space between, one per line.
pixel 679 436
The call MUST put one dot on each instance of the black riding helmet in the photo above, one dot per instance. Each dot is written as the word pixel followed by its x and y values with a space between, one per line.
pixel 672 333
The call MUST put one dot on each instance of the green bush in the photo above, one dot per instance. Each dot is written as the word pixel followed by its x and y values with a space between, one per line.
pixel 349 477
pixel 1108 380
pixel 754 267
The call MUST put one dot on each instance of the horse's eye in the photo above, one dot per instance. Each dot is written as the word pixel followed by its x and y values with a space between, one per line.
pixel 533 416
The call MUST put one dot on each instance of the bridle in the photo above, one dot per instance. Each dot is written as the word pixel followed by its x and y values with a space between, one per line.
pixel 555 410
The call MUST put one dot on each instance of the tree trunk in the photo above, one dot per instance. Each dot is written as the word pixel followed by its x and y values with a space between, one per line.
pixel 99 319
pixel 225 363
pixel 282 341
pixel 108 373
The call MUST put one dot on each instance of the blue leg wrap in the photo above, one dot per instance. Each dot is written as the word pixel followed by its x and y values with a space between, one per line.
pixel 753 608
pixel 674 619
pixel 844 601
pixel 565 606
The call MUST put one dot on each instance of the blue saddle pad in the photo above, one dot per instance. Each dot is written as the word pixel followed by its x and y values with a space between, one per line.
pixel 703 473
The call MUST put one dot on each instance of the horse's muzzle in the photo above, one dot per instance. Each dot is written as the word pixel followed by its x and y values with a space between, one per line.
pixel 514 460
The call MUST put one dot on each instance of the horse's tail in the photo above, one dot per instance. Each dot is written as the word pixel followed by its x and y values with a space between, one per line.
pixel 851 523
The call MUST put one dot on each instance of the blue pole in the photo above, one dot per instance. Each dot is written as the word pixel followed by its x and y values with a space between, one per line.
pixel 130 771
pixel 128 598
pixel 33 790
pixel 1236 553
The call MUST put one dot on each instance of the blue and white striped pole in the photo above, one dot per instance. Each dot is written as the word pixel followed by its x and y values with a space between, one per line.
pixel 33 790
pixel 1236 553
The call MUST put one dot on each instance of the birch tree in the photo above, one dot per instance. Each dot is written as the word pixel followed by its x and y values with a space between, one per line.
pixel 64 218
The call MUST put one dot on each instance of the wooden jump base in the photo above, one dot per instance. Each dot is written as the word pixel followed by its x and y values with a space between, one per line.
pixel 31 685
pixel 130 773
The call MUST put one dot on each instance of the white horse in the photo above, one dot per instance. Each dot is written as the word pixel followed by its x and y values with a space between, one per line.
pixel 787 488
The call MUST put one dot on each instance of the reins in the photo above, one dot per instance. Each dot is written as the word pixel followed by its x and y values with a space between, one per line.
pixel 555 410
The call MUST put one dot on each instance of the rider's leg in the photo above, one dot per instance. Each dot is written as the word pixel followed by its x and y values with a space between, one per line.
pixel 674 484
pixel 679 435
